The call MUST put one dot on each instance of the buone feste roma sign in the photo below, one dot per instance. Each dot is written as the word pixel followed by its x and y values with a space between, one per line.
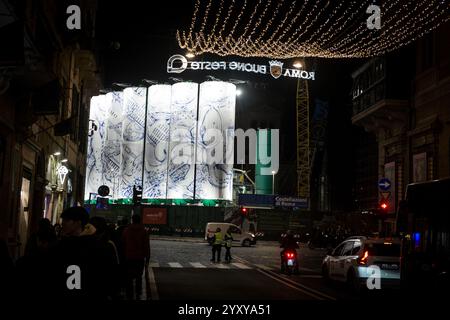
pixel 178 63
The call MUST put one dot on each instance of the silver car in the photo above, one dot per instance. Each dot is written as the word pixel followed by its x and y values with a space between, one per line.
pixel 354 259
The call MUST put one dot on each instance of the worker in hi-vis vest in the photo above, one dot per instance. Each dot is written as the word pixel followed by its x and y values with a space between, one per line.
pixel 217 245
pixel 228 244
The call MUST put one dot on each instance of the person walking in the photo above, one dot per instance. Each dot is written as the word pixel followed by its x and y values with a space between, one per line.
pixel 228 244
pixel 117 238
pixel 217 245
pixel 112 274
pixel 79 259
pixel 136 246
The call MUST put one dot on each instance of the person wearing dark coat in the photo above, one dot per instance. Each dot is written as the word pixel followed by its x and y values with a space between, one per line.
pixel 80 250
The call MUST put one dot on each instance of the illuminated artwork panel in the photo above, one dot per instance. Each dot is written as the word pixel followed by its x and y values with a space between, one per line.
pixel 96 145
pixel 177 147
pixel 133 139
pixel 181 168
pixel 214 178
pixel 157 141
pixel 112 155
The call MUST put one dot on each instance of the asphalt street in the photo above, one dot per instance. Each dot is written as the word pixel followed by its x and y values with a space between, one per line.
pixel 182 270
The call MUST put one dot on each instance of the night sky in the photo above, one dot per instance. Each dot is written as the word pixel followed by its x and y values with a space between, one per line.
pixel 146 34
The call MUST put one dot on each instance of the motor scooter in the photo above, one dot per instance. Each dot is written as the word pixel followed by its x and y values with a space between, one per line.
pixel 289 262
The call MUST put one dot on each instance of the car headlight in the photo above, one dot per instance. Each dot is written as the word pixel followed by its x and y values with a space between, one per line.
pixel 252 235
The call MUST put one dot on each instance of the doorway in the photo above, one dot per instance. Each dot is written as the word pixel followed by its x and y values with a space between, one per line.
pixel 24 213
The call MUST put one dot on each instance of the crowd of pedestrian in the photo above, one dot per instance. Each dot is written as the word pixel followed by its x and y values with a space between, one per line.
pixel 83 257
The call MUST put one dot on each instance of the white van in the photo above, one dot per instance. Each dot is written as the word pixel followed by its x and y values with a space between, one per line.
pixel 245 239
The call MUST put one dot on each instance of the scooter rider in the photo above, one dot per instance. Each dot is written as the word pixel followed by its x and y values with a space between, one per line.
pixel 288 242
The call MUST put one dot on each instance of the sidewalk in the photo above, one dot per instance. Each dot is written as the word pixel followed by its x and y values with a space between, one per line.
pixel 177 238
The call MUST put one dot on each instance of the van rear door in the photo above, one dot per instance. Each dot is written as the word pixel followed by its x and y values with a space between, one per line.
pixel 210 230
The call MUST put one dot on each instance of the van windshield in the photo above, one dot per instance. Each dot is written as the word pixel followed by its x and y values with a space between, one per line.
pixel 383 250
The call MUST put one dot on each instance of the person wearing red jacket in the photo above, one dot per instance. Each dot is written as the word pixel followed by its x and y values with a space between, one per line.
pixel 136 246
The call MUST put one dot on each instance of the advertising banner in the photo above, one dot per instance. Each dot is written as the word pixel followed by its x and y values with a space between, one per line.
pixel 151 215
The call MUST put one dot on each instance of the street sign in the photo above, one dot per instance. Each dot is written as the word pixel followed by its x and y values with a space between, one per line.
pixel 256 200
pixel 291 202
pixel 384 184
pixel 385 195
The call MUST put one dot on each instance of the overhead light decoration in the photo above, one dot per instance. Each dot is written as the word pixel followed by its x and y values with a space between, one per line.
pixel 286 29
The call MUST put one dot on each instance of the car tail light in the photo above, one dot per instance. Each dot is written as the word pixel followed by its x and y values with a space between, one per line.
pixel 363 260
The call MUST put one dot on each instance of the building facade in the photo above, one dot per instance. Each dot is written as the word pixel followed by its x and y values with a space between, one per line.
pixel 405 105
pixel 48 75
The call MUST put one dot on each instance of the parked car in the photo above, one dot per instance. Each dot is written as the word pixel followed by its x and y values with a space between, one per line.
pixel 350 261
pixel 245 239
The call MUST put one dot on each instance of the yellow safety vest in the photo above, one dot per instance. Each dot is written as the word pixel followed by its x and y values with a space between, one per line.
pixel 228 240
pixel 218 240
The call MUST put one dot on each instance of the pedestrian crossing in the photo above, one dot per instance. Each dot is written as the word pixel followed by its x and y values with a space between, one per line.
pixel 197 265
pixel 205 265
pixel 210 265
pixel 175 265
pixel 200 265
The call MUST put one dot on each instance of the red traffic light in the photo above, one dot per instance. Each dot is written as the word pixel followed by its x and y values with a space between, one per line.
pixel 384 205
pixel 244 210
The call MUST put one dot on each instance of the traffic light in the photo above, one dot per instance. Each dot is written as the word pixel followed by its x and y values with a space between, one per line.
pixel 244 211
pixel 137 195
pixel 384 206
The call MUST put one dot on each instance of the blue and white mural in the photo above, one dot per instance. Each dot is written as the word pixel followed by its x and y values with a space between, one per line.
pixel 214 178
pixel 180 157
pixel 112 154
pixel 96 145
pixel 157 141
pixel 183 132
pixel 133 139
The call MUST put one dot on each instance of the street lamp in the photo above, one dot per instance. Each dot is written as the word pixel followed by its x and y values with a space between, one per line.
pixel 238 92
pixel 273 182
pixel 297 64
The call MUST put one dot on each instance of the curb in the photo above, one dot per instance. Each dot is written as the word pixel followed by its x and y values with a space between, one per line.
pixel 193 240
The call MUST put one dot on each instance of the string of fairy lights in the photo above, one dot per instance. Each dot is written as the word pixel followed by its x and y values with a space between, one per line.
pixel 307 28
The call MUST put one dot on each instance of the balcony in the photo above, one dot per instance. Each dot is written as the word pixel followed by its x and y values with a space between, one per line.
pixel 381 91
